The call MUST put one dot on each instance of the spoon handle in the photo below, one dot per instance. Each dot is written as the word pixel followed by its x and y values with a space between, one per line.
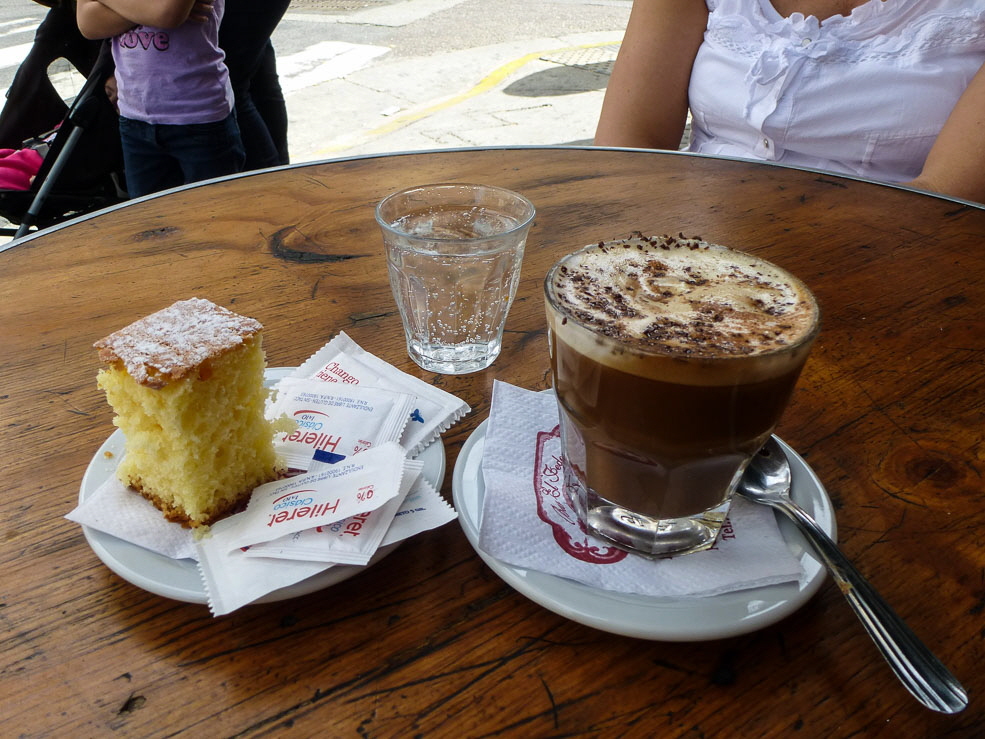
pixel 920 671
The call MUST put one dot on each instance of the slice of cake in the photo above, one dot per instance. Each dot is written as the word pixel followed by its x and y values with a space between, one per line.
pixel 186 384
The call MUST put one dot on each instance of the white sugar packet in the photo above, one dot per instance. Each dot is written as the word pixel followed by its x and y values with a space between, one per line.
pixel 343 360
pixel 528 522
pixel 351 540
pixel 232 579
pixel 357 485
pixel 422 510
pixel 117 510
pixel 338 419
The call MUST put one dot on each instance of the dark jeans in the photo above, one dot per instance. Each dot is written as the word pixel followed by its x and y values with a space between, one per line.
pixel 244 36
pixel 157 157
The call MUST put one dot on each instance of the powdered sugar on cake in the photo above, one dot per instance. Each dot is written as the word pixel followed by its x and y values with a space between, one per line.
pixel 167 345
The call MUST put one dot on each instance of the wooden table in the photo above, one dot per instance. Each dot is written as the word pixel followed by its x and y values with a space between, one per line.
pixel 430 642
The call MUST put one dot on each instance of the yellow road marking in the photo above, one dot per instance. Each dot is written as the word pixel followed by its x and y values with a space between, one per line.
pixel 486 84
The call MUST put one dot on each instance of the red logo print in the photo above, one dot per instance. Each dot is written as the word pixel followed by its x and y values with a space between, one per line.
pixel 555 509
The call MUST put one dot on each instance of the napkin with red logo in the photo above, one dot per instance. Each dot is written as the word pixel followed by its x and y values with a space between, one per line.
pixel 528 522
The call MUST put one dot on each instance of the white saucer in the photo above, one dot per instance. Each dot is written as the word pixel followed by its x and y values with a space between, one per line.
pixel 648 617
pixel 179 579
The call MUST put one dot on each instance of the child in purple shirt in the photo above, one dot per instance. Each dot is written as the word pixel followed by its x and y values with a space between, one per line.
pixel 177 123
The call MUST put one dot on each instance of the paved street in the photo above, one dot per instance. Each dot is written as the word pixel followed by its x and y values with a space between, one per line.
pixel 369 76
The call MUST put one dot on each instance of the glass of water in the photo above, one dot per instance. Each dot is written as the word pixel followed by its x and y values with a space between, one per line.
pixel 453 255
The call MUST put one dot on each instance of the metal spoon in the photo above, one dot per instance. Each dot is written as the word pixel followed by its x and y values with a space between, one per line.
pixel 767 481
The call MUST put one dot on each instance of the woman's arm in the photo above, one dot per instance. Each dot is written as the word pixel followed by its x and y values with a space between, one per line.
pixel 646 99
pixel 956 163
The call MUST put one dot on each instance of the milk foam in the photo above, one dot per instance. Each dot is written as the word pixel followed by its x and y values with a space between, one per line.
pixel 677 297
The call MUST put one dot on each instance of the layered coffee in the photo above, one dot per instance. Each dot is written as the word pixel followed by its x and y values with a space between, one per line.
pixel 673 360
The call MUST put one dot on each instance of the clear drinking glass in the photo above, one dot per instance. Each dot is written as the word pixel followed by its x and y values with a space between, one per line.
pixel 453 255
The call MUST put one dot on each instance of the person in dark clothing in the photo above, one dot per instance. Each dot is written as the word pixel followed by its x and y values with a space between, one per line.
pixel 260 108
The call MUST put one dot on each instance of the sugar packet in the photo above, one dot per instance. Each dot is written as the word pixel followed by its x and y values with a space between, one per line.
pixel 357 485
pixel 231 579
pixel 342 360
pixel 352 540
pixel 234 578
pixel 337 419
pixel 422 510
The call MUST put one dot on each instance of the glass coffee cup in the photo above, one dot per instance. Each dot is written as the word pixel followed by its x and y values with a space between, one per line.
pixel 672 361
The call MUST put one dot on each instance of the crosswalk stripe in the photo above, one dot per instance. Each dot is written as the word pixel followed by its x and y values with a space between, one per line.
pixel 25 21
pixel 326 60
pixel 12 29
pixel 12 56
pixel 392 15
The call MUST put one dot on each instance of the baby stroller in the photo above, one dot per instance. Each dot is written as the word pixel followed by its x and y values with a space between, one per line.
pixel 82 169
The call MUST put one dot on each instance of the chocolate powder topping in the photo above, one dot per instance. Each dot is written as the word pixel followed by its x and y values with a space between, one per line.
pixel 683 296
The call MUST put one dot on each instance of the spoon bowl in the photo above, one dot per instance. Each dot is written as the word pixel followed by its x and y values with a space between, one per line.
pixel 767 481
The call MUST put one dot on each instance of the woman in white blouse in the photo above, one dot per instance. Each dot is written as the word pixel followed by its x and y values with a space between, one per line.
pixel 892 90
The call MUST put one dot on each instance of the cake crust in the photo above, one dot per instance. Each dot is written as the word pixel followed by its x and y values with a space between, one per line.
pixel 174 513
pixel 167 345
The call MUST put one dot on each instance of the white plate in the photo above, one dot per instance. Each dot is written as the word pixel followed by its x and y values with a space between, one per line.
pixel 179 578
pixel 649 617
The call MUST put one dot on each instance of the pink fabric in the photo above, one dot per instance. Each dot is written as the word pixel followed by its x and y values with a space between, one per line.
pixel 18 167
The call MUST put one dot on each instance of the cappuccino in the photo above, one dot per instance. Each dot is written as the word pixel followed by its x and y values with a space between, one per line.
pixel 672 361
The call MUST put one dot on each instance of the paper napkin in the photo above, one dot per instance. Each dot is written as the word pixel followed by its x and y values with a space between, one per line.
pixel 115 509
pixel 528 522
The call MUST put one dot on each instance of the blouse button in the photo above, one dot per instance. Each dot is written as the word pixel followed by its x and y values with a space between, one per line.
pixel 805 42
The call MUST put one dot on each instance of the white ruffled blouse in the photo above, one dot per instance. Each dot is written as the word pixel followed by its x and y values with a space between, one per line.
pixel 864 94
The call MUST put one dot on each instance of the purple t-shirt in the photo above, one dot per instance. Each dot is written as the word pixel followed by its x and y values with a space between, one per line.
pixel 173 76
